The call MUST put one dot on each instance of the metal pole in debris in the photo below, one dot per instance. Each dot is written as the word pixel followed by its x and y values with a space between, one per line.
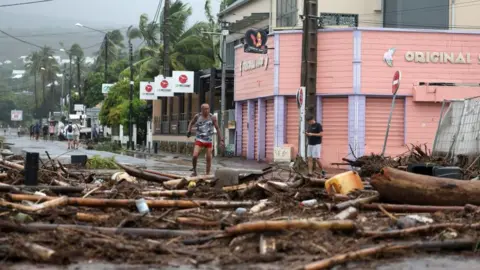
pixel 395 85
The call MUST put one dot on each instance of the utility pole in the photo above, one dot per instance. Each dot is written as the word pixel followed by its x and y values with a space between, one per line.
pixel 130 110
pixel 166 57
pixel 309 56
pixel 70 78
pixel 106 58
pixel 223 104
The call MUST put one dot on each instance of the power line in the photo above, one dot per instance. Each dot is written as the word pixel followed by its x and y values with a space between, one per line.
pixel 25 3
pixel 65 33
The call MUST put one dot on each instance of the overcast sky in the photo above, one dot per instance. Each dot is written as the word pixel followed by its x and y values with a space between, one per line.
pixel 100 12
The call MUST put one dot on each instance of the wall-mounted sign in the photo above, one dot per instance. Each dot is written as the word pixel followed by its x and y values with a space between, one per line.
pixel 79 107
pixel 16 115
pixel 147 91
pixel 465 58
pixel 248 65
pixel 106 87
pixel 255 42
pixel 183 81
pixel 163 86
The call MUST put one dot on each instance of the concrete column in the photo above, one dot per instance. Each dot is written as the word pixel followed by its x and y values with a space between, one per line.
pixel 356 125
pixel 238 128
pixel 280 125
pixel 251 130
pixel 261 119
pixel 134 136
pixel 149 136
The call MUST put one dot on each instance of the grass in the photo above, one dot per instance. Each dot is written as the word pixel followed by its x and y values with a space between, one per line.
pixel 108 147
pixel 97 162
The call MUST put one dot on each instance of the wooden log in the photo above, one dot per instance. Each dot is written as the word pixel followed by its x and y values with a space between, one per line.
pixel 91 217
pixel 55 189
pixel 263 226
pixel 12 165
pixel 91 202
pixel 403 187
pixel 349 213
pixel 166 193
pixel 355 203
pixel 405 208
pixel 143 175
pixel 17 206
pixel 362 253
pixel 142 232
pixel 419 229
pixel 68 173
pixel 197 222
pixel 58 201
pixel 39 252
pixel 178 182
pixel 171 176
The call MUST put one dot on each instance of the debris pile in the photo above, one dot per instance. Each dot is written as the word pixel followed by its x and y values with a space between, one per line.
pixel 139 216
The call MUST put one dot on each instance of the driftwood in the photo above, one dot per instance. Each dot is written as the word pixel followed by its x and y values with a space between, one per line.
pixel 359 254
pixel 171 176
pixel 58 201
pixel 55 189
pixel 349 213
pixel 196 222
pixel 405 208
pixel 263 226
pixel 39 252
pixel 419 229
pixel 153 233
pixel 355 203
pixel 91 217
pixel 409 188
pixel 91 202
pixel 12 165
pixel 143 174
pixel 166 193
pixel 180 183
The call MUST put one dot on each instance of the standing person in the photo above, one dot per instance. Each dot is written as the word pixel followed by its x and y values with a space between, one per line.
pixel 204 122
pixel 32 131
pixel 314 134
pixel 37 130
pixel 45 132
pixel 69 131
pixel 51 130
pixel 76 136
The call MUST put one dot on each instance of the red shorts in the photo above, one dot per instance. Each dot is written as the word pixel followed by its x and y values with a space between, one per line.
pixel 207 145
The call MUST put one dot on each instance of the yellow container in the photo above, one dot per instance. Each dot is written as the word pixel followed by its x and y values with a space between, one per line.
pixel 344 183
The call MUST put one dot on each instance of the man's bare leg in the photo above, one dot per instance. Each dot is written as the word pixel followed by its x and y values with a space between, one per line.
pixel 310 166
pixel 208 157
pixel 319 163
pixel 196 151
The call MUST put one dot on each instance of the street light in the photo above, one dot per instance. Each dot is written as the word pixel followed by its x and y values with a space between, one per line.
pixel 69 78
pixel 106 48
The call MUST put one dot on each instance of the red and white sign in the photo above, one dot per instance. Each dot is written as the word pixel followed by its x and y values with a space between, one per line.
pixel 163 86
pixel 183 81
pixel 396 81
pixel 16 115
pixel 146 91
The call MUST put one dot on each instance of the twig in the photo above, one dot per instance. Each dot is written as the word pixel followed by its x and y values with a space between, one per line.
pixel 91 191
pixel 392 217
pixel 419 229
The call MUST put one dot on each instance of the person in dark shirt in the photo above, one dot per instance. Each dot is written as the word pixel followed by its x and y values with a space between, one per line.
pixel 314 135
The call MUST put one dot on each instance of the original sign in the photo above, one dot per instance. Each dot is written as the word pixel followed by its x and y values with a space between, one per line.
pixel 248 65
pixel 439 57
pixel 255 42
pixel 147 91
pixel 183 81
pixel 163 86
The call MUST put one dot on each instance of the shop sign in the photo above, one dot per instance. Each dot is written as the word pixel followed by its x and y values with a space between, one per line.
pixel 248 65
pixel 183 81
pixel 301 95
pixel 16 115
pixel 163 86
pixel 147 91
pixel 432 57
pixel 255 42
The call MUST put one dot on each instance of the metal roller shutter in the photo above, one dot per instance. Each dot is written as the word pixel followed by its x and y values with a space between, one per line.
pixel 255 121
pixel 244 129
pixel 292 119
pixel 335 126
pixel 269 131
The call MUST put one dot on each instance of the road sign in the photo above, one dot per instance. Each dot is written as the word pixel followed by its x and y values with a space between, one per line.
pixel 396 81
pixel 301 106
pixel 106 87
pixel 16 115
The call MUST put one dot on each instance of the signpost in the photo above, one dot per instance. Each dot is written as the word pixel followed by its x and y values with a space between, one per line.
pixel 395 86
pixel 106 87
pixel 301 95
pixel 183 81
pixel 163 87
pixel 147 91
pixel 16 115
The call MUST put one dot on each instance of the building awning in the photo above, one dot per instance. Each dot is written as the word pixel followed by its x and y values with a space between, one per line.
pixel 248 21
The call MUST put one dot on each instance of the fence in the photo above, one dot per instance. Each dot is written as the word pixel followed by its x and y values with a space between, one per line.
pixel 458 132
pixel 179 122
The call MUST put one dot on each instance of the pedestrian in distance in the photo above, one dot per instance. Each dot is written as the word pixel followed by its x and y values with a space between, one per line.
pixel 32 131
pixel 314 148
pixel 37 131
pixel 51 131
pixel 76 136
pixel 204 122
pixel 45 132
pixel 69 131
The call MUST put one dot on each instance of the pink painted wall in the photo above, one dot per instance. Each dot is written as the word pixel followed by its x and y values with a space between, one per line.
pixel 257 82
pixel 439 93
pixel 377 76
pixel 334 70
pixel 422 122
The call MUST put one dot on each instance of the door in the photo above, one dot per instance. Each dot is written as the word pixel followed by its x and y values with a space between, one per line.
pixel 335 130
pixel 269 131
pixel 376 120
pixel 292 118
pixel 255 121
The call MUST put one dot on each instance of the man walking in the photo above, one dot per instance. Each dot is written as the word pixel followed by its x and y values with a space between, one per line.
pixel 204 122
pixel 314 134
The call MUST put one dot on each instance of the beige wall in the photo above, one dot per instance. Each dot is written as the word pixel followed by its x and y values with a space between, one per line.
pixel 464 15
pixel 256 6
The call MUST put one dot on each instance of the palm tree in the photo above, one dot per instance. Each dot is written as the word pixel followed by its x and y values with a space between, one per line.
pixel 189 48
pixel 33 66
pixel 49 68
pixel 115 43
pixel 77 52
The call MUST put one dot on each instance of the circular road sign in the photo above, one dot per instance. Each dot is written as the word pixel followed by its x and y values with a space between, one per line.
pixel 148 88
pixel 396 81
pixel 183 78
pixel 164 84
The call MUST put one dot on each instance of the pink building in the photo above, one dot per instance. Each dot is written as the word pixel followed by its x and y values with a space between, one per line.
pixel 354 77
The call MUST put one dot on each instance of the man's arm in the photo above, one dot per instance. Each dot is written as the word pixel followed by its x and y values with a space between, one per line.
pixel 320 134
pixel 194 120
pixel 219 134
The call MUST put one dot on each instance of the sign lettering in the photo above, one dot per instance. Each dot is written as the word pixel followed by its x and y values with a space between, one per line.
pixel 248 65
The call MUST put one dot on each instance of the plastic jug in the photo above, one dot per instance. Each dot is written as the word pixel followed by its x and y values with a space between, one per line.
pixel 344 183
